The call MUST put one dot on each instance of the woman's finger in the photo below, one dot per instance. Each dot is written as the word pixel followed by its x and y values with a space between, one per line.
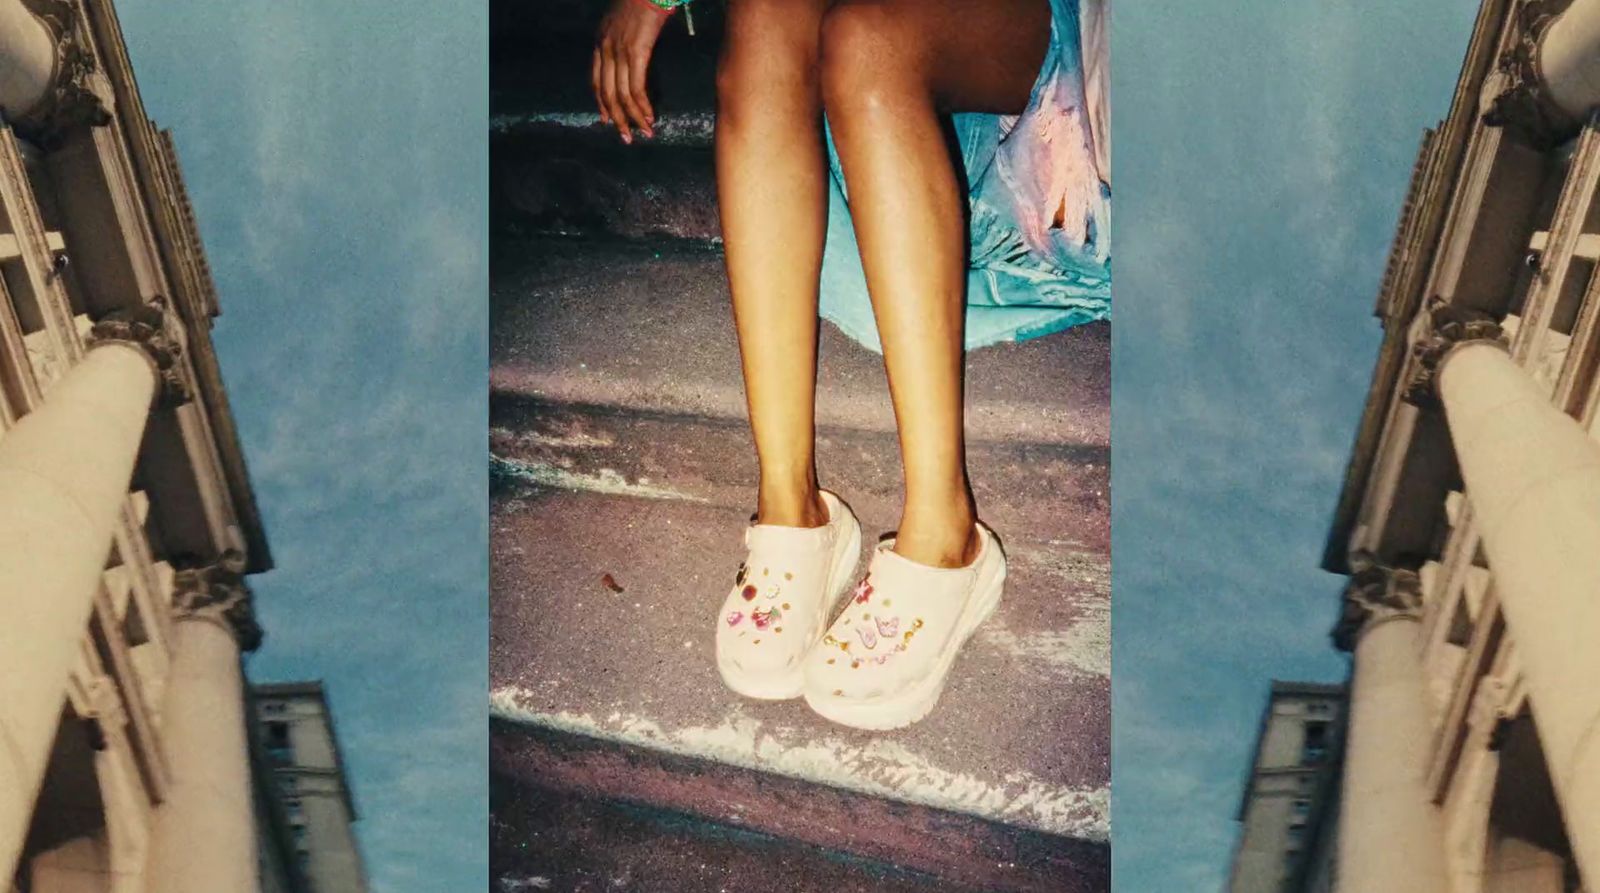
pixel 594 85
pixel 638 66
pixel 612 78
pixel 630 103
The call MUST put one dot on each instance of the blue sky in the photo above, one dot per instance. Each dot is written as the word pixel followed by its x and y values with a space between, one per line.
pixel 1263 149
pixel 336 156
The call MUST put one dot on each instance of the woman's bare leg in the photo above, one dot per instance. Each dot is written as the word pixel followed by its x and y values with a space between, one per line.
pixel 772 191
pixel 889 67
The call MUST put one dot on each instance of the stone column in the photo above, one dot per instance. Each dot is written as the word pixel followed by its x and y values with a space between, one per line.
pixel 64 474
pixel 1391 836
pixel 27 59
pixel 1549 83
pixel 1568 58
pixel 48 81
pixel 1533 475
pixel 205 836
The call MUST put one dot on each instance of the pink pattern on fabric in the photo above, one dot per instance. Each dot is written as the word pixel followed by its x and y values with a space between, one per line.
pixel 888 628
pixel 869 637
pixel 734 617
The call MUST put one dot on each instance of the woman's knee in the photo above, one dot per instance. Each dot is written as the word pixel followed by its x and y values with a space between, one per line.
pixel 770 46
pixel 870 56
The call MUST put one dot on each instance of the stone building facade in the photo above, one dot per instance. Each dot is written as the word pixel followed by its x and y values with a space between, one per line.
pixel 1469 522
pixel 1285 812
pixel 295 734
pixel 128 527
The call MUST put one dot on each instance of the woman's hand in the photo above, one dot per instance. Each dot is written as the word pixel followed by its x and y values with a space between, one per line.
pixel 622 51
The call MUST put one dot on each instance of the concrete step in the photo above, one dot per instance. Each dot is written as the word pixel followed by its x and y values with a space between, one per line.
pixel 566 173
pixel 615 534
pixel 645 326
pixel 558 826
pixel 1052 494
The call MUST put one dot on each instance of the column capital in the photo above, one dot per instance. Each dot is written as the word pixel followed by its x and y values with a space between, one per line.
pixel 1449 327
pixel 218 592
pixel 78 92
pixel 1515 96
pixel 1375 594
pixel 152 329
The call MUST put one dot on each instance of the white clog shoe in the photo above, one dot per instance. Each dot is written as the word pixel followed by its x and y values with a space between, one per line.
pixel 883 662
pixel 787 588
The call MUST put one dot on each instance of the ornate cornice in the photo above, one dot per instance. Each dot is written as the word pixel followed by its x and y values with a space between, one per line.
pixel 150 328
pixel 76 96
pixel 1448 327
pixel 219 591
pixel 1376 593
pixel 1515 97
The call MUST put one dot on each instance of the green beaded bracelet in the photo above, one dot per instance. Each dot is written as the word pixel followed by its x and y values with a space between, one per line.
pixel 667 7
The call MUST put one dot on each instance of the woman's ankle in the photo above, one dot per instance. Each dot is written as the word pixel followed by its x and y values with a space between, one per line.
pixel 939 535
pixel 791 506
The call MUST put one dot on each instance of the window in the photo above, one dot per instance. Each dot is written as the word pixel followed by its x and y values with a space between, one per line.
pixel 1314 747
pixel 1299 809
pixel 279 746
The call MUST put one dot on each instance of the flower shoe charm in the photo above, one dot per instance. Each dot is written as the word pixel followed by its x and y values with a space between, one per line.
pixel 885 659
pixel 782 596
pixel 863 590
pixel 762 620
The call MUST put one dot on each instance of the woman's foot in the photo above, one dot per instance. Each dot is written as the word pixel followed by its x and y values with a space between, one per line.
pixel 781 599
pixel 883 662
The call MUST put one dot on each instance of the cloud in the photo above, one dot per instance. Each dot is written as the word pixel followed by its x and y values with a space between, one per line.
pixel 336 156
pixel 1263 153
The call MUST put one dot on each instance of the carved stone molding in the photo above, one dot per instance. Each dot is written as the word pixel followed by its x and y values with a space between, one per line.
pixel 219 590
pixel 1376 593
pixel 1489 709
pixel 1449 327
pixel 77 93
pixel 149 328
pixel 105 715
pixel 1517 98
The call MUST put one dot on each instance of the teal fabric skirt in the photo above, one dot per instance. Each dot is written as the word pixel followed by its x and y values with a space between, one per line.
pixel 1040 210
